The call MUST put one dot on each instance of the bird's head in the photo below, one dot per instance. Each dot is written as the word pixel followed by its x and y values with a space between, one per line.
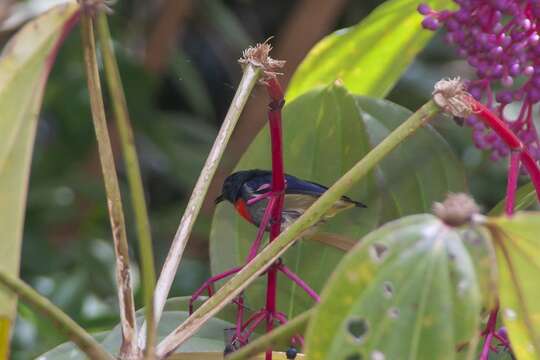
pixel 233 184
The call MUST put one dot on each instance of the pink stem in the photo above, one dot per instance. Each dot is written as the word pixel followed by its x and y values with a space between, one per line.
pixel 262 227
pixel 301 283
pixel 488 332
pixel 283 320
pixel 255 321
pixel 278 187
pixel 239 316
pixel 532 169
pixel 208 283
pixel 497 125
pixel 513 170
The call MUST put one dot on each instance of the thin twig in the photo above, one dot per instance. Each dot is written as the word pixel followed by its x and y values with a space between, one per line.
pixel 61 320
pixel 134 178
pixel 125 294
pixel 249 79
pixel 291 328
pixel 274 250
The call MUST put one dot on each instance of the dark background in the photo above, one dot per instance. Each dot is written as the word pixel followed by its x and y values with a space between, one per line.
pixel 178 63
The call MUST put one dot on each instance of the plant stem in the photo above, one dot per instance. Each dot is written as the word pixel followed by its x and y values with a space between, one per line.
pixel 274 250
pixel 278 188
pixel 134 178
pixel 281 334
pixel 249 79
pixel 513 171
pixel 61 320
pixel 114 200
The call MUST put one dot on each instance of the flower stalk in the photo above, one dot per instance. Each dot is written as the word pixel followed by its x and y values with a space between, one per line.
pixel 275 92
pixel 129 151
pixel 250 77
pixel 129 347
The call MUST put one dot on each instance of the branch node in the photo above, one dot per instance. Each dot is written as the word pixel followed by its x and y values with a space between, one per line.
pixel 457 209
pixel 451 96
pixel 258 56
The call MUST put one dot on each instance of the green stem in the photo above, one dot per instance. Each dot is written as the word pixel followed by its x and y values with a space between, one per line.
pixel 275 338
pixel 61 320
pixel 114 200
pixel 249 79
pixel 131 161
pixel 274 250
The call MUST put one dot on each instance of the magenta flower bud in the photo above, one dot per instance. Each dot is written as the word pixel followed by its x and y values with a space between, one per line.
pixel 525 24
pixel 430 23
pixel 507 81
pixel 534 38
pixel 514 69
pixel 528 71
pixel 424 9
pixel 504 97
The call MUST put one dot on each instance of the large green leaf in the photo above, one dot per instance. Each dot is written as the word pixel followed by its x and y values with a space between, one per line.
pixel 24 67
pixel 407 291
pixel 370 57
pixel 210 338
pixel 420 171
pixel 518 256
pixel 324 136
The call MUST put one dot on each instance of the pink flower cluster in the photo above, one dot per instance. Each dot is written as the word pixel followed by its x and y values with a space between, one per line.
pixel 500 39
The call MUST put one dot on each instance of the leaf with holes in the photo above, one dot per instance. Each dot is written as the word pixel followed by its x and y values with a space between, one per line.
pixel 327 131
pixel 370 57
pixel 407 291
pixel 24 66
pixel 518 258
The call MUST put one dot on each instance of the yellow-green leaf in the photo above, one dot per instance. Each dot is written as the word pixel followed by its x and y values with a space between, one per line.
pixel 517 244
pixel 24 67
pixel 370 57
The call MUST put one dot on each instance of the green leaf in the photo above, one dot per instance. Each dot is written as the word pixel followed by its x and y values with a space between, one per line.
pixel 407 291
pixel 370 57
pixel 518 257
pixel 210 338
pixel 525 197
pixel 422 170
pixel 326 131
pixel 24 67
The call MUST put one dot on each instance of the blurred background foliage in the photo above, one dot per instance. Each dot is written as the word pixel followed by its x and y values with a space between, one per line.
pixel 178 64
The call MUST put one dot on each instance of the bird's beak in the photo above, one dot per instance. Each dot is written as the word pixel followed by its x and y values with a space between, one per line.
pixel 219 199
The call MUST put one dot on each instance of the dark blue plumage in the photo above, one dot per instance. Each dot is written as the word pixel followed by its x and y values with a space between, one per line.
pixel 242 187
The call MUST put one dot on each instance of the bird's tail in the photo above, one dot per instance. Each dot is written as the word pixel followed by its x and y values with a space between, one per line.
pixel 338 241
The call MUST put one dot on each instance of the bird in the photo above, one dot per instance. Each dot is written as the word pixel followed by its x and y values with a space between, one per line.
pixel 248 191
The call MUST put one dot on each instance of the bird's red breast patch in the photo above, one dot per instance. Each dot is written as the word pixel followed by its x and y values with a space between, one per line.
pixel 242 209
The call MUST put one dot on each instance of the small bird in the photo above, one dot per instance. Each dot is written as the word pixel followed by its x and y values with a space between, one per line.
pixel 248 191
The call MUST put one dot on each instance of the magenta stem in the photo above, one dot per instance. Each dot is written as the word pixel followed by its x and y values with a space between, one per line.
pixel 497 125
pixel 208 283
pixel 278 188
pixel 513 171
pixel 532 169
pixel 262 227
pixel 488 333
pixel 239 316
pixel 301 283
